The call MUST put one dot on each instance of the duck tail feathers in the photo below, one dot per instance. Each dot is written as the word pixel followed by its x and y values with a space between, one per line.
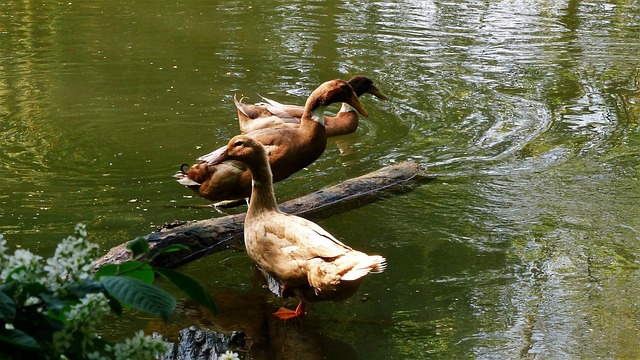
pixel 370 264
pixel 239 104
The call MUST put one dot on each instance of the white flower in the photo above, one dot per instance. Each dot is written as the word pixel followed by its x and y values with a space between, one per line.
pixel 21 267
pixel 96 356
pixel 3 246
pixel 229 355
pixel 87 315
pixel 73 260
pixel 140 347
pixel 81 230
pixel 62 340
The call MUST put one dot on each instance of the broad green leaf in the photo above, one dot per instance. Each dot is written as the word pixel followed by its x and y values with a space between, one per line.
pixel 189 286
pixel 114 304
pixel 56 318
pixel 19 338
pixel 138 246
pixel 7 307
pixel 107 270
pixel 172 248
pixel 81 289
pixel 35 288
pixel 139 295
pixel 135 269
pixel 57 304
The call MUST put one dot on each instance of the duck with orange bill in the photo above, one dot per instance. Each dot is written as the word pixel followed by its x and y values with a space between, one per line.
pixel 271 113
pixel 289 149
pixel 308 261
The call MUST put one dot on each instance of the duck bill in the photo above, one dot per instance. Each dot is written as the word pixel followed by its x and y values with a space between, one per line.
pixel 377 93
pixel 353 101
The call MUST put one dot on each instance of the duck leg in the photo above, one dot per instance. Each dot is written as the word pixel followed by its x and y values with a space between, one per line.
pixel 286 314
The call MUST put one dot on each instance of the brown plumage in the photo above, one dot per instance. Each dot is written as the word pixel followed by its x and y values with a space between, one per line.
pixel 289 149
pixel 274 114
pixel 307 260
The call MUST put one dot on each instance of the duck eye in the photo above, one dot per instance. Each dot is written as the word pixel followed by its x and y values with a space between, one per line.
pixel 238 143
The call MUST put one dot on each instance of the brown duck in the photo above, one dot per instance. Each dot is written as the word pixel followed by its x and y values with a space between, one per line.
pixel 307 260
pixel 290 149
pixel 273 114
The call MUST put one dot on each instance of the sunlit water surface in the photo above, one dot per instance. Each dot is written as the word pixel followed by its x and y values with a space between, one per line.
pixel 526 246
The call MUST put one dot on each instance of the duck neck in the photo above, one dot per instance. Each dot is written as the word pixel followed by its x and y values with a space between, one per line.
pixel 317 115
pixel 346 108
pixel 313 113
pixel 262 195
pixel 345 122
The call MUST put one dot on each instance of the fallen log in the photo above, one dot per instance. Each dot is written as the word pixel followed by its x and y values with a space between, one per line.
pixel 207 236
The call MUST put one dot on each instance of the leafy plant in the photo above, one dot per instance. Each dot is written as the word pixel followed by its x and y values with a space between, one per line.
pixel 51 309
pixel 146 274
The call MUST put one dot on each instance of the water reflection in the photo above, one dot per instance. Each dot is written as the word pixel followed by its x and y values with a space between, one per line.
pixel 528 113
pixel 267 337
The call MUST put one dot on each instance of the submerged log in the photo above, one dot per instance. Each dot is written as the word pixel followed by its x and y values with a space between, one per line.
pixel 204 237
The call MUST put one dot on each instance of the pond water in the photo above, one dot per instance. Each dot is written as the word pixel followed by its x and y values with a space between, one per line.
pixel 526 246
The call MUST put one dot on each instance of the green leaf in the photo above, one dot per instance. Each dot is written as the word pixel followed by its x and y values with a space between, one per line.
pixel 170 249
pixel 35 288
pixel 139 295
pixel 19 338
pixel 174 248
pixel 107 270
pixel 55 303
pixel 83 288
pixel 189 286
pixel 7 307
pixel 138 246
pixel 114 304
pixel 135 269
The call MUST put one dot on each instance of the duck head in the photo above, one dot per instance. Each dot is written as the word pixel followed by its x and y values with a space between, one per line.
pixel 241 148
pixel 362 84
pixel 333 91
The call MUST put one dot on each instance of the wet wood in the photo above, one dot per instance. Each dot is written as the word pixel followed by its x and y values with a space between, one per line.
pixel 211 235
pixel 194 343
pixel 244 323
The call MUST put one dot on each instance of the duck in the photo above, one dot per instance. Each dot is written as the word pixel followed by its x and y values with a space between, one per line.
pixel 305 259
pixel 290 149
pixel 271 113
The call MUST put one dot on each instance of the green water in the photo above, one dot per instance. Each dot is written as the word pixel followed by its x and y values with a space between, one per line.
pixel 527 245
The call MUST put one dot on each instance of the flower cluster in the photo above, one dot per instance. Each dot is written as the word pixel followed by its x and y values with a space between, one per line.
pixel 229 355
pixel 22 267
pixel 73 260
pixel 84 318
pixel 55 309
pixel 140 347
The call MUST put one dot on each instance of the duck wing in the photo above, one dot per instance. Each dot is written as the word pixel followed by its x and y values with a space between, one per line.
pixel 249 111
pixel 288 113
pixel 213 155
pixel 304 240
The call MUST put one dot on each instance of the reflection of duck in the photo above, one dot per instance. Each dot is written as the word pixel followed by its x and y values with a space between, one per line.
pixel 265 337
pixel 290 149
pixel 297 253
pixel 274 114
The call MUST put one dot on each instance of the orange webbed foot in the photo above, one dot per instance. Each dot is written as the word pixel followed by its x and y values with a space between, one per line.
pixel 286 314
